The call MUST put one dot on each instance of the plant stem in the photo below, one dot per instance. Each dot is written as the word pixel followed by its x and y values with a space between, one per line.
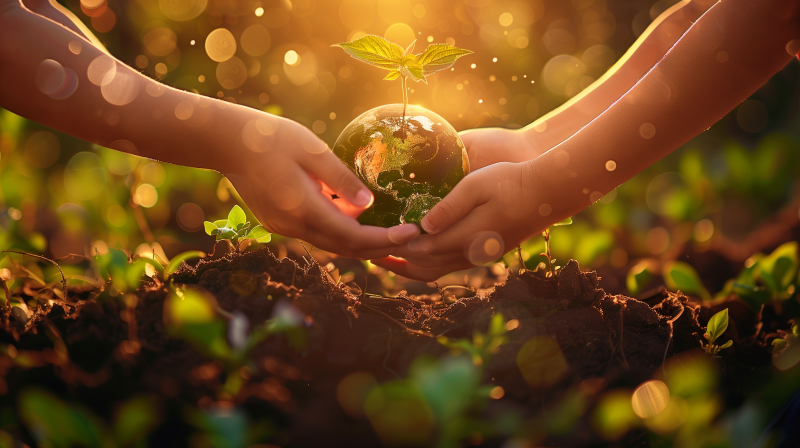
pixel 404 85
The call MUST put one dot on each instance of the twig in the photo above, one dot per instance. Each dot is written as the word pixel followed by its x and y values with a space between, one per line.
pixel 63 279
pixel 669 341
pixel 389 351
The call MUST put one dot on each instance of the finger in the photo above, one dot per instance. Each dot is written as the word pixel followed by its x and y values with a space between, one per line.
pixel 468 194
pixel 413 271
pixel 323 164
pixel 352 236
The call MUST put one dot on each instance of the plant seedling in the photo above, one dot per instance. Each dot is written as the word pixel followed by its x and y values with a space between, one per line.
pixel 716 326
pixel 546 253
pixel 377 51
pixel 236 229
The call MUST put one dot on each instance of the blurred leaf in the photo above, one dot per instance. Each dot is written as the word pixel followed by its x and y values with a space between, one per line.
pixel 565 222
pixel 613 415
pixel 55 424
pixel 448 385
pixel 399 413
pixel 225 428
pixel 375 50
pixel 679 275
pixel 778 269
pixel 717 325
pixel 592 244
pixel 135 418
pixel 439 57
pixel 637 278
pixel 176 261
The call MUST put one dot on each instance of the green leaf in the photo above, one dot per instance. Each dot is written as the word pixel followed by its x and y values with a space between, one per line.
pixel 637 277
pixel 439 57
pixel 221 223
pixel 210 227
pixel 176 261
pixel 717 325
pixel 394 74
pixel 375 50
pixel 565 222
pixel 779 268
pixel 682 276
pixel 260 234
pixel 726 345
pixel 236 218
pixel 136 418
pixel 409 48
pixel 413 70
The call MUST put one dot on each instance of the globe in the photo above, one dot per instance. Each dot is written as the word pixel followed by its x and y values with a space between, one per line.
pixel 409 163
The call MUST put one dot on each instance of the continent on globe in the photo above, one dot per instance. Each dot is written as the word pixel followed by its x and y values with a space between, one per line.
pixel 409 164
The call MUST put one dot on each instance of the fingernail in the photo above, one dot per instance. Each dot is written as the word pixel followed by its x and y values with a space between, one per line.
pixel 428 226
pixel 362 198
pixel 403 233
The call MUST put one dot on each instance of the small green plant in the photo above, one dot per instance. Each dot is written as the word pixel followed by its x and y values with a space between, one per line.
pixel 716 326
pixel 679 275
pixel 236 229
pixel 546 234
pixel 377 51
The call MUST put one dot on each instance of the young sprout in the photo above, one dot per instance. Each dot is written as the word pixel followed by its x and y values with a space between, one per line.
pixel 546 253
pixel 716 326
pixel 377 51
pixel 236 228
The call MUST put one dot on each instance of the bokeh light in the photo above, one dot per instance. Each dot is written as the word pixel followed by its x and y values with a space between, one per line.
pixel 220 45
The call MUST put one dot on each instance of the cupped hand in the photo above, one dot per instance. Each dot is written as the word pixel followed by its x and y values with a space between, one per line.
pixel 487 214
pixel 288 176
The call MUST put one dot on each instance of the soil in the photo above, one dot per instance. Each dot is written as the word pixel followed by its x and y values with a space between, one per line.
pixel 607 341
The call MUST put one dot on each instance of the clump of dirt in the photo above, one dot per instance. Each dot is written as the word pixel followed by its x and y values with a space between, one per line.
pixel 600 336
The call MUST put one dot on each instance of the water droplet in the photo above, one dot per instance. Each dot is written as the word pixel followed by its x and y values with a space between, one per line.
pixel 611 165
pixel 184 110
pixel 101 70
pixel 647 131
pixel 650 398
pixel 220 45
pixel 50 76
pixel 75 47
pixel 545 209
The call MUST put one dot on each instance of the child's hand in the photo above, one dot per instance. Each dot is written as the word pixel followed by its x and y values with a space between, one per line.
pixel 487 214
pixel 287 176
pixel 492 145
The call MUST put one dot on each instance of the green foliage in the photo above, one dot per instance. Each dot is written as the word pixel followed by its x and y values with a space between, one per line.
pixel 236 228
pixel 716 326
pixel 774 277
pixel 194 316
pixel 679 275
pixel 440 398
pixel 377 51
pixel 60 425
pixel 637 278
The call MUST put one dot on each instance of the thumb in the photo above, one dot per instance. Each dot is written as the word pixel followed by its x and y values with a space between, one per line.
pixel 322 163
pixel 467 195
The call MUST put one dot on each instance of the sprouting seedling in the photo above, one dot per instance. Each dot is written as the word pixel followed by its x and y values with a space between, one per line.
pixel 546 253
pixel 236 228
pixel 377 51
pixel 716 326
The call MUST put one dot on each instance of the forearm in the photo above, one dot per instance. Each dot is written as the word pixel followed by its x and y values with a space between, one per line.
pixel 120 108
pixel 57 13
pixel 684 94
pixel 569 118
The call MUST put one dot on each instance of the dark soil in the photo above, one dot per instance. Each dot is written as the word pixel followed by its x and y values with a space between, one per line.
pixel 620 340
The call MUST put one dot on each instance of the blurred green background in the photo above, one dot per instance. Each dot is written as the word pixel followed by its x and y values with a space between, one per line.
pixel 730 192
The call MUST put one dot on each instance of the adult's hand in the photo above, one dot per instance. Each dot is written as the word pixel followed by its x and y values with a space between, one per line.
pixel 488 213
pixel 287 176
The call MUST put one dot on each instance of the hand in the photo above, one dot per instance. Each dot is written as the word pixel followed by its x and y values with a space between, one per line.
pixel 487 214
pixel 287 177
pixel 488 146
